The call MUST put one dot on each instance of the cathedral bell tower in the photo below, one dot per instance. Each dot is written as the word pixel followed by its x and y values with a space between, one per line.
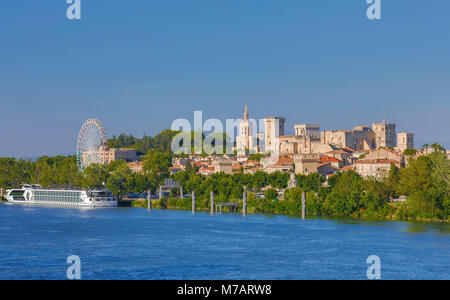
pixel 245 141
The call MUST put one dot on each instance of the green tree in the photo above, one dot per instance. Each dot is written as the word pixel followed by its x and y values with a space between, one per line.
pixel 416 176
pixel 14 172
pixel 259 180
pixel 156 165
pixel 440 176
pixel 392 180
pixel 119 181
pixel 376 194
pixel 345 198
pixel 426 183
pixel 142 183
pixel 278 179
pixel 95 176
pixel 410 152
pixel 163 141
pixel 311 182
pixel 116 164
pixel 437 147
pixel 314 204
pixel 270 194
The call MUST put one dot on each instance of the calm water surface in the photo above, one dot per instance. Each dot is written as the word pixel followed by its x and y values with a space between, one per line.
pixel 131 243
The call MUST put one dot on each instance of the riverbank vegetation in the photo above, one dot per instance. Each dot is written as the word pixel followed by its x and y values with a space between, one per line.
pixel 425 182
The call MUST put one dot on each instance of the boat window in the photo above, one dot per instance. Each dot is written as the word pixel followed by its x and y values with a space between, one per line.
pixel 99 194
pixel 16 193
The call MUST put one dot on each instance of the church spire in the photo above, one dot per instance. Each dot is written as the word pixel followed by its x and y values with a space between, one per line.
pixel 246 113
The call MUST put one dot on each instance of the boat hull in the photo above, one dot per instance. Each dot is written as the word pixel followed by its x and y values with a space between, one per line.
pixel 94 204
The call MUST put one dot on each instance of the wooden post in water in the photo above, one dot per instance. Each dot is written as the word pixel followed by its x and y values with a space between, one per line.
pixel 193 202
pixel 149 200
pixel 212 203
pixel 244 203
pixel 303 205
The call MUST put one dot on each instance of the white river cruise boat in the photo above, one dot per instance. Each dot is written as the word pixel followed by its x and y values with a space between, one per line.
pixel 35 194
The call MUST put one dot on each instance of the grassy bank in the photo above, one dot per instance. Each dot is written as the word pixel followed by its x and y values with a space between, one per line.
pixel 390 212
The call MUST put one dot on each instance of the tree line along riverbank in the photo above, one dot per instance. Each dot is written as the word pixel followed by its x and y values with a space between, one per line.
pixel 392 211
pixel 425 183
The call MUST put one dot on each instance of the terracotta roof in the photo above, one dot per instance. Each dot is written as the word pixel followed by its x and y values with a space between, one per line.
pixel 283 161
pixel 211 168
pixel 347 168
pixel 330 159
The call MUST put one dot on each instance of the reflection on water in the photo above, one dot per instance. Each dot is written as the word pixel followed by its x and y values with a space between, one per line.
pixel 421 227
pixel 132 243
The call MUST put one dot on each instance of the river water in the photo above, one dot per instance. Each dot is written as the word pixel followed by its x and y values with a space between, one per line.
pixel 132 243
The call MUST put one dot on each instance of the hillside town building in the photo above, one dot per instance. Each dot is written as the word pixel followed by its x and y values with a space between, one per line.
pixel 385 134
pixel 374 167
pixel 386 154
pixel 305 164
pixel 298 144
pixel 360 138
pixel 106 155
pixel 312 130
pixel 405 141
pixel 284 164
pixel 224 166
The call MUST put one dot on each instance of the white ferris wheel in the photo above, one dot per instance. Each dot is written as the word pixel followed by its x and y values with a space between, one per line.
pixel 91 140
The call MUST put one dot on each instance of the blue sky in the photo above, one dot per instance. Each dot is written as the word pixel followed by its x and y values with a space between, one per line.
pixel 138 65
